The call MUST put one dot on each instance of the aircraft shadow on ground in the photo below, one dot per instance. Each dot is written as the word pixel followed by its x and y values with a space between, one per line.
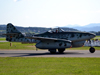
pixel 39 54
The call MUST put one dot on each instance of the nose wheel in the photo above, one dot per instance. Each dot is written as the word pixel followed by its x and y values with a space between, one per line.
pixel 92 50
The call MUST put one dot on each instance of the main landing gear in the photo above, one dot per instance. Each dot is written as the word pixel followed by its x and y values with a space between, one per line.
pixel 92 50
pixel 53 51
pixel 61 50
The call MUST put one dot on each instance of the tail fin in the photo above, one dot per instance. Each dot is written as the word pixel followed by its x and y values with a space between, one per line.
pixel 11 29
pixel 13 35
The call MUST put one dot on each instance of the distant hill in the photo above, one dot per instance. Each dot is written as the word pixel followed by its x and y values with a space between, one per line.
pixel 3 25
pixel 33 29
pixel 90 27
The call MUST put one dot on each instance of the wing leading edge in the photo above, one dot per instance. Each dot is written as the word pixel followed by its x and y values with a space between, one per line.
pixel 48 39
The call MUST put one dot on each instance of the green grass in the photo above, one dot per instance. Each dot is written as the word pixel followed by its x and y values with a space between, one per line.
pixel 20 46
pixel 82 48
pixel 16 45
pixel 49 66
pixel 2 39
pixel 97 37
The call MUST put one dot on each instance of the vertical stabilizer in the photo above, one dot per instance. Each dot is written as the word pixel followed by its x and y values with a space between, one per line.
pixel 13 35
pixel 11 29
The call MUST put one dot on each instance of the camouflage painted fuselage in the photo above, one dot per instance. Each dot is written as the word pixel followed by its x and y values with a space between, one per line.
pixel 49 40
pixel 72 36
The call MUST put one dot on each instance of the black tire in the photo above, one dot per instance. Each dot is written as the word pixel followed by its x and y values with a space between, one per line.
pixel 61 50
pixel 52 51
pixel 92 50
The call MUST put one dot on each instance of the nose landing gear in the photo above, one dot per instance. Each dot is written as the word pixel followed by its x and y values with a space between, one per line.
pixel 92 50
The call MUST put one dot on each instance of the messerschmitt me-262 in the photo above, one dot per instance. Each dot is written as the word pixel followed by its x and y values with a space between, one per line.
pixel 51 40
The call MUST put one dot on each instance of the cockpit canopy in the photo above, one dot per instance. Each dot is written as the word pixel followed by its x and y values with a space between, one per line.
pixel 56 30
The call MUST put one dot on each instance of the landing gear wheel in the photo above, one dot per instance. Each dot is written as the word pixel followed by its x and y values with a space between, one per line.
pixel 52 51
pixel 92 49
pixel 61 50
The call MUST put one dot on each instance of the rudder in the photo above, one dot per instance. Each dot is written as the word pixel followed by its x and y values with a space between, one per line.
pixel 13 35
pixel 11 29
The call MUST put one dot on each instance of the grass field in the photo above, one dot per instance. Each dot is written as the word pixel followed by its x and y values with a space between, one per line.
pixel 97 37
pixel 20 46
pixel 16 45
pixel 46 65
pixel 49 66
pixel 2 39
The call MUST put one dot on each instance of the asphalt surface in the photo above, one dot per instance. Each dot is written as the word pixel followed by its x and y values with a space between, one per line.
pixel 45 53
pixel 3 41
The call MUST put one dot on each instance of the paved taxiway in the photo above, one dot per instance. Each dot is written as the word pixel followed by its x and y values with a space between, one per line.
pixel 3 41
pixel 45 53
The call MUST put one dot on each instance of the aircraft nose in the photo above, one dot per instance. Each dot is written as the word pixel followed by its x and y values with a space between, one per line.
pixel 92 35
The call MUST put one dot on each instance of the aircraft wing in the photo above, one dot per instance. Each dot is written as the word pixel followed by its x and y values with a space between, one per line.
pixel 48 39
pixel 11 34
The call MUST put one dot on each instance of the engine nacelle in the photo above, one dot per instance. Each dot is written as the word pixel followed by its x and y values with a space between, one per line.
pixel 53 45
pixel 78 44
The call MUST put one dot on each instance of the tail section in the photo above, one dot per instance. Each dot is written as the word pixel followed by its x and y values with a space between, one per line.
pixel 11 29
pixel 13 35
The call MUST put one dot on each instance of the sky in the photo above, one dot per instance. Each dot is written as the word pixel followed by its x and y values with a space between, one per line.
pixel 49 13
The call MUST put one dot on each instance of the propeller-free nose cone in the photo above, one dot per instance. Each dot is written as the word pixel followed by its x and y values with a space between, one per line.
pixel 92 35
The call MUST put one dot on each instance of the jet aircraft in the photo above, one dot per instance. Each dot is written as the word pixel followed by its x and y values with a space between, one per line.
pixel 52 40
